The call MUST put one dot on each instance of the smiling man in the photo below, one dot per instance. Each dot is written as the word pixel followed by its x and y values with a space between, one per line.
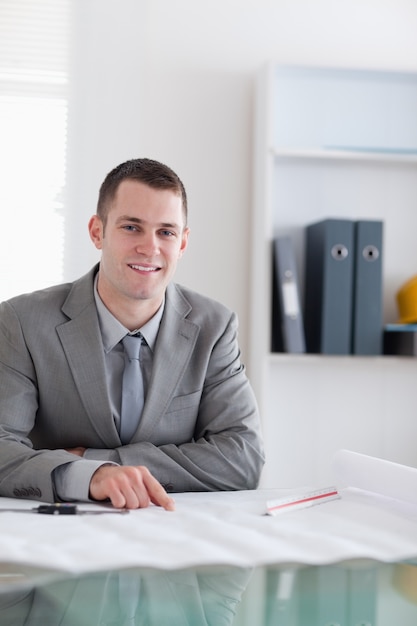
pixel 81 417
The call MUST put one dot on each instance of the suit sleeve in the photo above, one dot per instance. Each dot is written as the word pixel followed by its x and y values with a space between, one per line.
pixel 24 472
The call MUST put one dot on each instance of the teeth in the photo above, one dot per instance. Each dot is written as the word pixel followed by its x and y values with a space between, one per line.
pixel 143 269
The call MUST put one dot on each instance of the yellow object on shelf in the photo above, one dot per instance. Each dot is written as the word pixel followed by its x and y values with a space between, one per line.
pixel 407 302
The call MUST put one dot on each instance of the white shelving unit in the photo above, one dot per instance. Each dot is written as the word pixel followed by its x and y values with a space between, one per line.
pixel 333 143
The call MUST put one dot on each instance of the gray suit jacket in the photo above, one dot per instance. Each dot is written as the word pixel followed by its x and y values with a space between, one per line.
pixel 199 428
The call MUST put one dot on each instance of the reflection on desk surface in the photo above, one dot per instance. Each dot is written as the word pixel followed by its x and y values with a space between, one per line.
pixel 125 598
pixel 359 593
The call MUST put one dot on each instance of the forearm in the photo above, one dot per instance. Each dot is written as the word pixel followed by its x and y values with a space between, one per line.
pixel 227 461
pixel 27 473
pixel 221 463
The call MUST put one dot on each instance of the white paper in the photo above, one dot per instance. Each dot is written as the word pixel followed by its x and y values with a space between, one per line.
pixel 375 475
pixel 216 528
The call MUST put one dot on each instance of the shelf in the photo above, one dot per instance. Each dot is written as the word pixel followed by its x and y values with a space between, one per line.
pixel 332 144
pixel 387 156
pixel 320 108
pixel 320 359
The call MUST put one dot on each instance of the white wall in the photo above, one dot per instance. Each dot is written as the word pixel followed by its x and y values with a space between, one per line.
pixel 173 80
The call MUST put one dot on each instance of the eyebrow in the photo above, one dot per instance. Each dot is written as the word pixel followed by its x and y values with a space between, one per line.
pixel 137 220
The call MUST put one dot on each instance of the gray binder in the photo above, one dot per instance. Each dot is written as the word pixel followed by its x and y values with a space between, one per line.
pixel 287 318
pixel 329 284
pixel 367 331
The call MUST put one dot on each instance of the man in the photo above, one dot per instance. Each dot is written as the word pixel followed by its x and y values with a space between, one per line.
pixel 62 363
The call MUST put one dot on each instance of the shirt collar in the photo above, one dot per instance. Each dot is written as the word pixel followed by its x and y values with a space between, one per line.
pixel 113 331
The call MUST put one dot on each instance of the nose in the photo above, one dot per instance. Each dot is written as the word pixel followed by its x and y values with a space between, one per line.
pixel 148 244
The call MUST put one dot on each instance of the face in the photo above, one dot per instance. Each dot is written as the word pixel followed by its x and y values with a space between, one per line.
pixel 141 244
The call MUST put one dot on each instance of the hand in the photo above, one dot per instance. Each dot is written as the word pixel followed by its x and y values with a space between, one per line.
pixel 130 487
pixel 79 451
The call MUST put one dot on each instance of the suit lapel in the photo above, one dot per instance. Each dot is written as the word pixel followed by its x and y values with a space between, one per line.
pixel 82 344
pixel 81 341
pixel 174 346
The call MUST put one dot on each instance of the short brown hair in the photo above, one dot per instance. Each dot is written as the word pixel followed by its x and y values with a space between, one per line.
pixel 147 171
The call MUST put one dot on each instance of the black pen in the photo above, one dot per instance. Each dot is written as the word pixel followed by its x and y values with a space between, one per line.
pixel 63 509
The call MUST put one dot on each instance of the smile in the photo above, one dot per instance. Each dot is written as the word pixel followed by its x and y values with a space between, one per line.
pixel 144 268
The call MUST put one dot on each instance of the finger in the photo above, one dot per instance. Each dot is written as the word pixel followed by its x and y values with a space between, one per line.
pixel 137 498
pixel 117 500
pixel 126 490
pixel 156 492
pixel 109 482
pixel 117 494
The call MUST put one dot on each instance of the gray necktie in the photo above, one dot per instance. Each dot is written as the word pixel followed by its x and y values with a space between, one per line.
pixel 132 388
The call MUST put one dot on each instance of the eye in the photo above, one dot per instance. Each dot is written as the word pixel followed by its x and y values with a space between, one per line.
pixel 167 233
pixel 130 227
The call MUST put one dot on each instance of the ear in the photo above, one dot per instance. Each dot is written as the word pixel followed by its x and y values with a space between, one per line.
pixel 96 230
pixel 184 242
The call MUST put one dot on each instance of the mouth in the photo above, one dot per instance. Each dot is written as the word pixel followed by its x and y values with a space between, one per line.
pixel 144 268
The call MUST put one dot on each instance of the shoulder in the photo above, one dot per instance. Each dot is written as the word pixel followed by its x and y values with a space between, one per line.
pixel 50 300
pixel 197 307
pixel 29 300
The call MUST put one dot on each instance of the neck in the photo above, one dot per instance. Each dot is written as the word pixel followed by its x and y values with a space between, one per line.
pixel 132 313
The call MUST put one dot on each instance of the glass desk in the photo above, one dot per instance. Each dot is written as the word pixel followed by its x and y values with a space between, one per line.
pixel 362 593
pixel 217 560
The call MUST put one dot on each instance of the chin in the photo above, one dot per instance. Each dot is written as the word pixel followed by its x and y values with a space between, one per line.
pixel 145 294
